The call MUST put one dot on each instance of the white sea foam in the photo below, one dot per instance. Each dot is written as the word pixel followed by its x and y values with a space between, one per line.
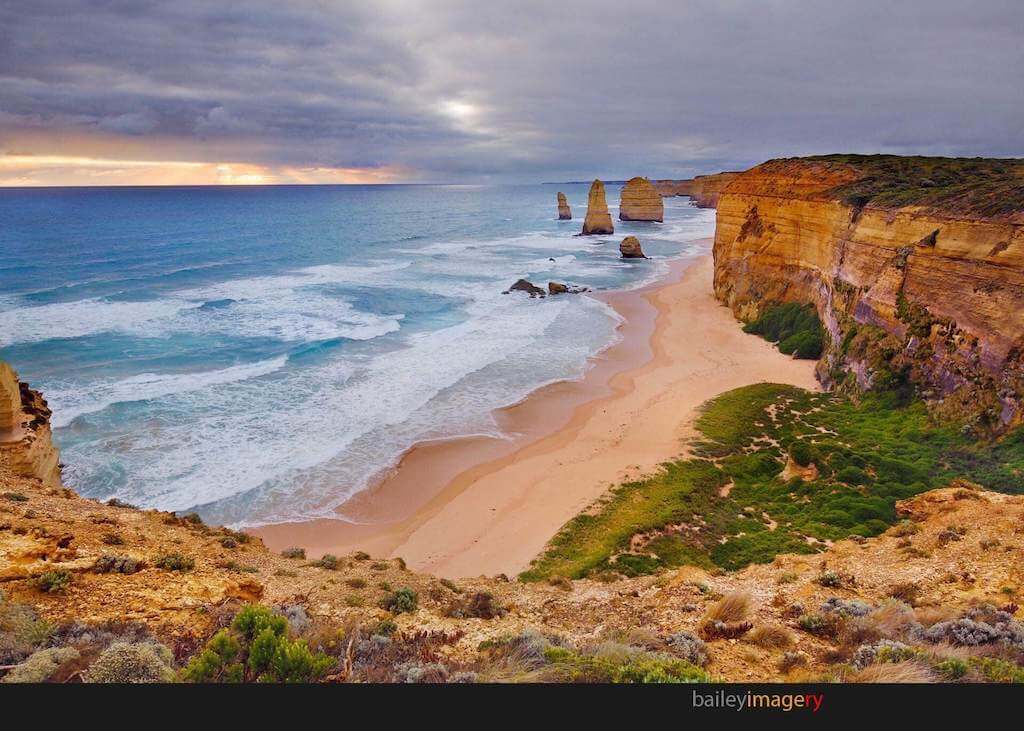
pixel 71 401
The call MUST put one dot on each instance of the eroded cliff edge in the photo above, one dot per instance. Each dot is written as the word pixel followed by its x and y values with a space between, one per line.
pixel 915 265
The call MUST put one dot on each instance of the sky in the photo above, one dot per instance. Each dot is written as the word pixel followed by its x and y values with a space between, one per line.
pixel 122 92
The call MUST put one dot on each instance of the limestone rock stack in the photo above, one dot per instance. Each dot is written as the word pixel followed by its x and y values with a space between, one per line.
pixel 641 201
pixel 564 212
pixel 630 248
pixel 598 220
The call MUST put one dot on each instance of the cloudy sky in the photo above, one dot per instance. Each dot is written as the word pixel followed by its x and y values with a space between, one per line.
pixel 101 92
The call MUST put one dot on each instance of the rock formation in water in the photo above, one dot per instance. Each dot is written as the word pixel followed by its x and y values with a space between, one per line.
pixel 524 285
pixel 598 220
pixel 560 288
pixel 26 445
pixel 915 265
pixel 630 248
pixel 640 202
pixel 564 212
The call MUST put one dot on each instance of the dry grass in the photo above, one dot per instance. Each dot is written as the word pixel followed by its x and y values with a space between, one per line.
pixel 897 672
pixel 733 607
pixel 771 637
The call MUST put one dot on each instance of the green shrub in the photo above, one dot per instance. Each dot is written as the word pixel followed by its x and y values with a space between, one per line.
pixel 132 662
pixel 403 600
pixel 174 562
pixel 14 497
pixel 257 648
pixel 795 327
pixel 952 669
pixel 631 667
pixel 328 561
pixel 299 553
pixel 53 582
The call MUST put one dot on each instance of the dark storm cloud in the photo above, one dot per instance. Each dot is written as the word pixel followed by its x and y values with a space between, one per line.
pixel 524 90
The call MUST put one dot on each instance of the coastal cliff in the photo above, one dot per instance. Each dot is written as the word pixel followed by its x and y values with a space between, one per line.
pixel 915 266
pixel 26 444
pixel 703 189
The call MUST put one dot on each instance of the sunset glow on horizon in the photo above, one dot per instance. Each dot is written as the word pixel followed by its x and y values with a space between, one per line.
pixel 26 170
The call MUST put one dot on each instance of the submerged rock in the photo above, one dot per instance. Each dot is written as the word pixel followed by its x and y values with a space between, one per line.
pixel 564 212
pixel 598 220
pixel 524 285
pixel 640 201
pixel 630 248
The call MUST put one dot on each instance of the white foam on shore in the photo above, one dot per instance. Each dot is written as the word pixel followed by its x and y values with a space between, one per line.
pixel 70 402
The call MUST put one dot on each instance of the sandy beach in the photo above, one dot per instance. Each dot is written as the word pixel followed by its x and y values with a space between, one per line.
pixel 473 506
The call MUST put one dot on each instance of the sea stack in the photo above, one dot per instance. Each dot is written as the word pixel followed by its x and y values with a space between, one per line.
pixel 641 202
pixel 564 212
pixel 598 220
pixel 630 248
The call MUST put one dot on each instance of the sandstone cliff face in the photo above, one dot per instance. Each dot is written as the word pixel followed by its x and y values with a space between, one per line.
pixel 564 212
pixel 26 445
pixel 934 293
pixel 640 202
pixel 598 220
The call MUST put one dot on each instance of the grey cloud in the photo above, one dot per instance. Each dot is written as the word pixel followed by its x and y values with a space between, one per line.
pixel 549 90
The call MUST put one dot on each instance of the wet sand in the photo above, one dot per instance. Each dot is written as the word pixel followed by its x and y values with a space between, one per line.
pixel 478 505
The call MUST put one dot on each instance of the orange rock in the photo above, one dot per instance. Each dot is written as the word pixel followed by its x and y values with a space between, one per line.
pixel 630 248
pixel 640 202
pixel 598 220
pixel 564 212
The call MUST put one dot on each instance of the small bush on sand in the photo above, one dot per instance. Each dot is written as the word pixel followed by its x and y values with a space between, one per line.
pixel 328 561
pixel 733 607
pixel 295 553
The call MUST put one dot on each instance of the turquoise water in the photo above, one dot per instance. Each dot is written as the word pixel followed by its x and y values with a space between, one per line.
pixel 260 353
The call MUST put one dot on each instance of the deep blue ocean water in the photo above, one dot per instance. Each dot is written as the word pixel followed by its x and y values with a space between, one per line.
pixel 259 353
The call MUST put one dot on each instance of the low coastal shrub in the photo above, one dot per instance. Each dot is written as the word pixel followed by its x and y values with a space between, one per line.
pixel 728 506
pixel 174 562
pixel 53 582
pixel 795 327
pixel 402 600
pixel 257 648
pixel 132 662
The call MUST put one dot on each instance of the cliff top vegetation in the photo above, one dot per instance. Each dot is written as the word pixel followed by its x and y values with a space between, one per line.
pixel 985 187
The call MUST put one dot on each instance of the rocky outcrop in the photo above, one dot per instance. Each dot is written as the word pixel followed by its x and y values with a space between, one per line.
pixel 562 288
pixel 525 285
pixel 703 189
pixel 26 444
pixel 564 212
pixel 630 248
pixel 916 267
pixel 640 202
pixel 598 220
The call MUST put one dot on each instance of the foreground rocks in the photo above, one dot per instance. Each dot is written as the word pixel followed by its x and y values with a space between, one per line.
pixel 598 220
pixel 640 201
pixel 564 212
pixel 630 248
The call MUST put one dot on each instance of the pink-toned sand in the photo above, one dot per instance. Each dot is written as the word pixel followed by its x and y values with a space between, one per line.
pixel 474 506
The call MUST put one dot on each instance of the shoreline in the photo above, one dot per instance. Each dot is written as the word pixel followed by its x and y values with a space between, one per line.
pixel 480 505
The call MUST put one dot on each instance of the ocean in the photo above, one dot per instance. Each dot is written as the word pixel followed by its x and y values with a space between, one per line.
pixel 259 354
